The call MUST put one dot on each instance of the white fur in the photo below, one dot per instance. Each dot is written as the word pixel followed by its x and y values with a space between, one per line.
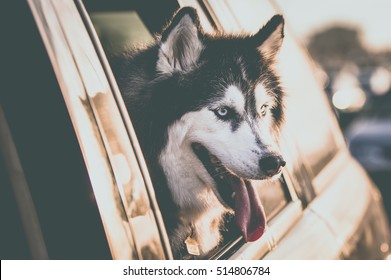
pixel 191 190
pixel 234 98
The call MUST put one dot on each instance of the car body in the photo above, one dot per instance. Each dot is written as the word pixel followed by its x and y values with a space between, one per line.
pixel 369 142
pixel 77 186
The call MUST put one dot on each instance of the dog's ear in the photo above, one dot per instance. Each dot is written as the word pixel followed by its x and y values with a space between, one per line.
pixel 269 38
pixel 181 42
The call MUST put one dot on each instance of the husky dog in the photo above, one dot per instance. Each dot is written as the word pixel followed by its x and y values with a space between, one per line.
pixel 207 110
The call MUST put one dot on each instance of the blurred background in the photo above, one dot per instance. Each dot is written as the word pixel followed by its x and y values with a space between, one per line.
pixel 350 42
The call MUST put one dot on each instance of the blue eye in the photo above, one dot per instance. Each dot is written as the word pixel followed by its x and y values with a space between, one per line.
pixel 224 113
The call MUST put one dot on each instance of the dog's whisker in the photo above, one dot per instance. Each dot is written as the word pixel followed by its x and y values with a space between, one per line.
pixel 225 172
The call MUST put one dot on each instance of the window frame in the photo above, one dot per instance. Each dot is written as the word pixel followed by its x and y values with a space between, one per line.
pixel 289 214
pixel 82 78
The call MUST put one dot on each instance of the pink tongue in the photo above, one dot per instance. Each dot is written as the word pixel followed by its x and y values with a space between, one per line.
pixel 249 213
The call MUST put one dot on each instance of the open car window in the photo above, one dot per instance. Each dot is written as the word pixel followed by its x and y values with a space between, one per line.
pixel 131 27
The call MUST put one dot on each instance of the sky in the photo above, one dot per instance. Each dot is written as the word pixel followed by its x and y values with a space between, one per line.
pixel 372 17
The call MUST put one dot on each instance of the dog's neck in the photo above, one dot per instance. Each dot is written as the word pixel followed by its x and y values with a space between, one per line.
pixel 200 212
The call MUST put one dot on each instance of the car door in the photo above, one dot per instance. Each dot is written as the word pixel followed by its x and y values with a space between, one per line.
pixel 80 38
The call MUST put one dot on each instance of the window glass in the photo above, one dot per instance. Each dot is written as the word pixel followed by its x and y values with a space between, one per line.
pixel 127 29
pixel 121 30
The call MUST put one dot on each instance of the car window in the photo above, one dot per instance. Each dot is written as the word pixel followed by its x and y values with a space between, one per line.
pixel 128 28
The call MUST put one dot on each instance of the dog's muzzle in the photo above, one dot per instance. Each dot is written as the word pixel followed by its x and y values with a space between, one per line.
pixel 238 193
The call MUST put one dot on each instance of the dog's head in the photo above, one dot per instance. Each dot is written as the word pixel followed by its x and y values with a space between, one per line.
pixel 227 133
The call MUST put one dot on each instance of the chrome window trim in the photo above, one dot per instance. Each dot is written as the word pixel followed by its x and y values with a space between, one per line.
pixel 115 137
pixel 129 127
pixel 84 84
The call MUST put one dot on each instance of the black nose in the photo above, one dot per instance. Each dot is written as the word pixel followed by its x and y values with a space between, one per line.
pixel 271 165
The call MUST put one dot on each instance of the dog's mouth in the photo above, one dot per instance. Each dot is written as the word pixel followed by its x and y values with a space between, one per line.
pixel 236 193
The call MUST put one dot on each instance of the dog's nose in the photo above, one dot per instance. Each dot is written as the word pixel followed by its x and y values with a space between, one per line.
pixel 271 165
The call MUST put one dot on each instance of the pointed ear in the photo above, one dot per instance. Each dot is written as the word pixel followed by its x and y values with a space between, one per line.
pixel 181 42
pixel 269 38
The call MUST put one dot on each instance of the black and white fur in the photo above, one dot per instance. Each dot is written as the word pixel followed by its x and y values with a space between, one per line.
pixel 177 92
